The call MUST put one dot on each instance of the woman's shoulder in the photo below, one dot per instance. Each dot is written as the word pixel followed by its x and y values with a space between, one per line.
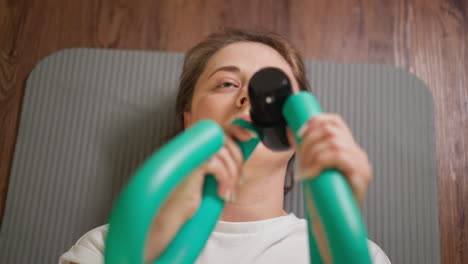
pixel 88 249
pixel 94 239
pixel 377 254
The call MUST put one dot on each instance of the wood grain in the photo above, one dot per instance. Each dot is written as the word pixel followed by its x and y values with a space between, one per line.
pixel 428 38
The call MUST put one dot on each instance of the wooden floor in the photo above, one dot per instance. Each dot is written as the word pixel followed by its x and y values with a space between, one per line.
pixel 428 38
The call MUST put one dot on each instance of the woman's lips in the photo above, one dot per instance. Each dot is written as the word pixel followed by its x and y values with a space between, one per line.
pixel 245 117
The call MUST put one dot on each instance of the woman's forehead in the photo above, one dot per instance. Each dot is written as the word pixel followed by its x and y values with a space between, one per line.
pixel 249 57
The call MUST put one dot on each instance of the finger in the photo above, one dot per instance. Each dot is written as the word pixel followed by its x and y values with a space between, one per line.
pixel 351 162
pixel 359 186
pixel 238 158
pixel 314 135
pixel 195 180
pixel 216 167
pixel 333 119
pixel 235 151
pixel 232 168
pixel 194 183
pixel 240 133
pixel 336 144
pixel 311 166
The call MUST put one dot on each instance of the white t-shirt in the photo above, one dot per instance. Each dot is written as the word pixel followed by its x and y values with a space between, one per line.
pixel 281 239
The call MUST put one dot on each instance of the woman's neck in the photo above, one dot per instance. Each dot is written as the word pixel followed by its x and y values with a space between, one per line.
pixel 260 197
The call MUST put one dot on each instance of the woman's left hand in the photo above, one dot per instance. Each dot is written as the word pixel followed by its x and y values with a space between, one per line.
pixel 328 143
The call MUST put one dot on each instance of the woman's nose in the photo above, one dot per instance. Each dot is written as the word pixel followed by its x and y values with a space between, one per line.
pixel 243 101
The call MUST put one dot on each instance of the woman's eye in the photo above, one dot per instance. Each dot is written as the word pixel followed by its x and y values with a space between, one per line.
pixel 226 85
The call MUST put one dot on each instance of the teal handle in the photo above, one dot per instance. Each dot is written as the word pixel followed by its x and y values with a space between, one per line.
pixel 330 195
pixel 192 237
pixel 158 177
pixel 148 189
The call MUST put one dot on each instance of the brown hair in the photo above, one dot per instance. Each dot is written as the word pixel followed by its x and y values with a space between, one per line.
pixel 197 58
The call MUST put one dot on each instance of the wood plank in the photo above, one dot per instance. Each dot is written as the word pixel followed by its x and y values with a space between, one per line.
pixel 11 18
pixel 437 53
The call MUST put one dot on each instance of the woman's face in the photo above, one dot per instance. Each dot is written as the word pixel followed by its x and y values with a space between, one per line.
pixel 221 91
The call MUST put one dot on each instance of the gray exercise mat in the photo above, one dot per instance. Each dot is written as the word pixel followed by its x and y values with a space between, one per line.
pixel 91 116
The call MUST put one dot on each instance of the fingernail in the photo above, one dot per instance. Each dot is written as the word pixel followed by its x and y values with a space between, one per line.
pixel 252 134
pixel 302 130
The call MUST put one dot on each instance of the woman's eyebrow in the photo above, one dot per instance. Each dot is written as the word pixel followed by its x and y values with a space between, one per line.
pixel 230 68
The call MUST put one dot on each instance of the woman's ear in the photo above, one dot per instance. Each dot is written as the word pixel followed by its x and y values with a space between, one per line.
pixel 187 119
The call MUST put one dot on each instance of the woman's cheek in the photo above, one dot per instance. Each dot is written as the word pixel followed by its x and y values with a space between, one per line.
pixel 215 107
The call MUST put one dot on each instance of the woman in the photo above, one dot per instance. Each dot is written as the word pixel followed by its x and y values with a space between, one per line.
pixel 253 228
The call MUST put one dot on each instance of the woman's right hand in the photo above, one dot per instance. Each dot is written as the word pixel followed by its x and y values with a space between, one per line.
pixel 182 204
pixel 225 166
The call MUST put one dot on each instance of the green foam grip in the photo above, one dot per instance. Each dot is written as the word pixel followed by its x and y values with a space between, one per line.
pixel 192 237
pixel 154 181
pixel 329 195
